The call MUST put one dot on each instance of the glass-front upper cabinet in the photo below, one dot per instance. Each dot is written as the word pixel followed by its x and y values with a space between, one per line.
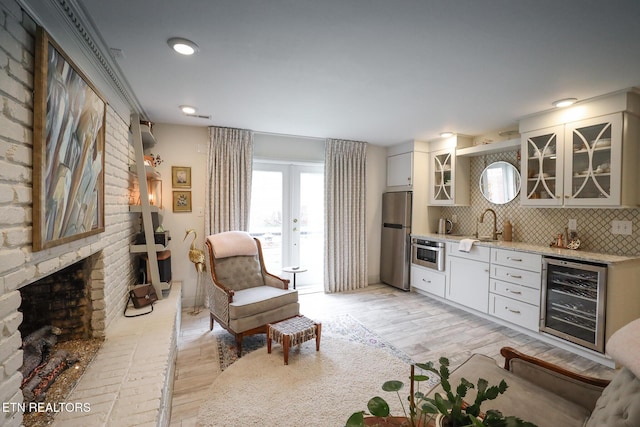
pixel 449 175
pixel 593 152
pixel 576 164
pixel 442 188
pixel 542 166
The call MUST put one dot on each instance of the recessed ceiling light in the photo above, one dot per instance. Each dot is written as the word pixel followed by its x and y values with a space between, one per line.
pixel 187 109
pixel 183 46
pixel 565 102
pixel 446 134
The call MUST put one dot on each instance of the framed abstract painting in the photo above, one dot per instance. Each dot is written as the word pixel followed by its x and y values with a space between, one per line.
pixel 68 149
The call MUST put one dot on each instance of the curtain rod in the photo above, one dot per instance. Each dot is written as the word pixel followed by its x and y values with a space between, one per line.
pixel 289 136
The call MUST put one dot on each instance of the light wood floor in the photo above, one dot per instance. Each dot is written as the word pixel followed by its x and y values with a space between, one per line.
pixel 421 327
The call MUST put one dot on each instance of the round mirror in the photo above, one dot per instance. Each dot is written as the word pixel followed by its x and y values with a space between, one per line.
pixel 500 182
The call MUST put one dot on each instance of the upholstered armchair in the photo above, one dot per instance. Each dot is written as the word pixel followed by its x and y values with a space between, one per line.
pixel 244 297
pixel 551 396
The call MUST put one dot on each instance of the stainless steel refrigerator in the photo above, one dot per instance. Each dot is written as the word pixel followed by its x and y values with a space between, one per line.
pixel 395 251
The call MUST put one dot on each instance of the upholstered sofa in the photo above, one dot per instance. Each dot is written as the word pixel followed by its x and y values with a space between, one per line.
pixel 550 396
pixel 243 297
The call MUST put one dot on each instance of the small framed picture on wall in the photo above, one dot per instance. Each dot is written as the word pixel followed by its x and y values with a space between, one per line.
pixel 181 176
pixel 182 201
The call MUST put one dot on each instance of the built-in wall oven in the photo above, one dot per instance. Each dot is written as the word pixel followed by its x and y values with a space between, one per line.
pixel 573 301
pixel 427 253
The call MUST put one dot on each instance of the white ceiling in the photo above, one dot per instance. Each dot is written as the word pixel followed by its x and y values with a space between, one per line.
pixel 381 71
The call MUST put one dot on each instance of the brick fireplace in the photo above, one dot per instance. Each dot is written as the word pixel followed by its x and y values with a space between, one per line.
pixel 112 266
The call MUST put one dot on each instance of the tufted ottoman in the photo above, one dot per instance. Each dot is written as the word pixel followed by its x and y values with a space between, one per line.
pixel 293 331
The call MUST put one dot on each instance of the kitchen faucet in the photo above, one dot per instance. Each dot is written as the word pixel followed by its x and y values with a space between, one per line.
pixel 494 236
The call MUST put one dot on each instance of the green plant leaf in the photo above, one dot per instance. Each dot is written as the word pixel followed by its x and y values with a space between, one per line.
pixel 392 385
pixel 356 420
pixel 429 407
pixel 482 385
pixel 442 405
pixel 378 407
pixel 426 366
pixel 420 378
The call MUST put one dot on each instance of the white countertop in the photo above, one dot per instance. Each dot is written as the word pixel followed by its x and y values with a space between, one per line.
pixel 579 255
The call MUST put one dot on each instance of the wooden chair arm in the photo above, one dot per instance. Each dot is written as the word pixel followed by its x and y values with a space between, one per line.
pixel 274 278
pixel 510 353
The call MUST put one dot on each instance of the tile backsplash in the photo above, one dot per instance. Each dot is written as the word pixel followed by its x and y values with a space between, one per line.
pixel 541 225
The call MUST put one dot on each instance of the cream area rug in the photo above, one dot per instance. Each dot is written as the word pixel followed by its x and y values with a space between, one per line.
pixel 316 389
pixel 345 326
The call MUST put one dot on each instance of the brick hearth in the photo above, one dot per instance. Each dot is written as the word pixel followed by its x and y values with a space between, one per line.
pixel 130 382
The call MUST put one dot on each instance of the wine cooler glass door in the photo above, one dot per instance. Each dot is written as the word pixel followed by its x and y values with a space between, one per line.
pixel 574 302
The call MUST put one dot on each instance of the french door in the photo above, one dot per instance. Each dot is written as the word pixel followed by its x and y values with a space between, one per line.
pixel 287 215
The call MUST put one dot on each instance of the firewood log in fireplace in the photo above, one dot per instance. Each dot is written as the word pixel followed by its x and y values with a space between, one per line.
pixel 35 389
pixel 36 348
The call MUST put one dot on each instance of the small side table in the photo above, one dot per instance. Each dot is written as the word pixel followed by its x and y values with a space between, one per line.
pixel 293 331
pixel 294 270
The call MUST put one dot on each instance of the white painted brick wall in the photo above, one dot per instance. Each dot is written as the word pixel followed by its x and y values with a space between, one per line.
pixel 19 265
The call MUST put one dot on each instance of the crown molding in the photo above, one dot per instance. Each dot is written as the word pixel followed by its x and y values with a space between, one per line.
pixel 72 28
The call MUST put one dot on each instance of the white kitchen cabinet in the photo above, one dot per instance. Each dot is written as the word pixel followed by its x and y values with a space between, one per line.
pixel 542 167
pixel 468 276
pixel 515 284
pixel 588 161
pixel 593 162
pixel 514 311
pixel 523 260
pixel 468 283
pixel 407 165
pixel 400 170
pixel 430 281
pixel 449 179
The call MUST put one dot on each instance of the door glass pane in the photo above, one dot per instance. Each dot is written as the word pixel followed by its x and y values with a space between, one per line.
pixel 442 180
pixel 265 219
pixel 591 162
pixel 311 227
pixel 541 167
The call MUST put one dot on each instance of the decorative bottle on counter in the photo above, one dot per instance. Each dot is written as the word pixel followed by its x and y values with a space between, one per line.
pixel 507 231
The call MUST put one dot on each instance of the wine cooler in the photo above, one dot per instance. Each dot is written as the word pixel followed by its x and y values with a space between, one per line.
pixel 573 302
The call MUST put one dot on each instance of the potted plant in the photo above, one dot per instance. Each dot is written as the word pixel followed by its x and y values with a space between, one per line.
pixel 450 409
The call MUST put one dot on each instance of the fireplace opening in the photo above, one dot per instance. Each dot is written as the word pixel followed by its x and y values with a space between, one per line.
pixel 59 341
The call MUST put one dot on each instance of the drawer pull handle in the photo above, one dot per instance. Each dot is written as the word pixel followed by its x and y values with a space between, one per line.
pixel 513 311
pixel 428 281
pixel 515 276
pixel 514 259
pixel 514 292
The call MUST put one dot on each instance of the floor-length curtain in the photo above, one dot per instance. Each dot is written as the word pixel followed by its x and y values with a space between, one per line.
pixel 345 216
pixel 228 180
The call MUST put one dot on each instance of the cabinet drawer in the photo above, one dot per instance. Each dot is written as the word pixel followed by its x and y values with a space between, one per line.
pixel 477 253
pixel 524 260
pixel 517 312
pixel 428 281
pixel 517 292
pixel 515 275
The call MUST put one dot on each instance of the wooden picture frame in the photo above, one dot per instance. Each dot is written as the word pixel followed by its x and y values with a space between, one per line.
pixel 69 119
pixel 181 176
pixel 182 201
